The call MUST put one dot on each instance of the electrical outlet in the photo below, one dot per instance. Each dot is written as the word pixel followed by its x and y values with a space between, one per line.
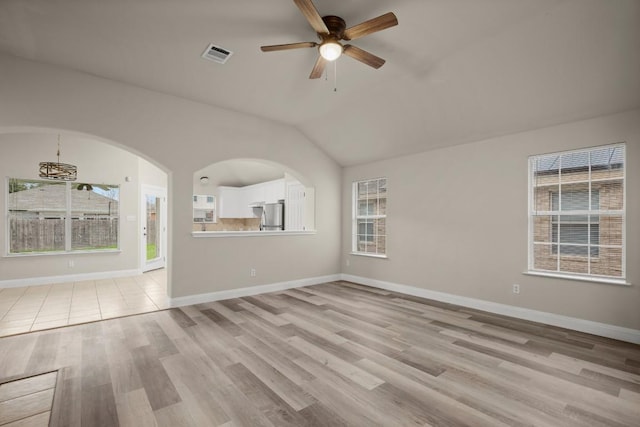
pixel 253 272
pixel 516 289
pixel 71 263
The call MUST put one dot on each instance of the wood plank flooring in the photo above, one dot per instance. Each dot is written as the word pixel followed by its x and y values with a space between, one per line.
pixel 336 354
pixel 27 401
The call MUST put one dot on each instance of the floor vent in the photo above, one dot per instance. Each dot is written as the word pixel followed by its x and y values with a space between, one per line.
pixel 217 54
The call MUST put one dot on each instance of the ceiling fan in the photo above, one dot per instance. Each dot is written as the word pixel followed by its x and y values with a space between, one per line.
pixel 331 29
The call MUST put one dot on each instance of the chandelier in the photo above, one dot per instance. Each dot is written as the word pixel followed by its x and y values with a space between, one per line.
pixel 58 171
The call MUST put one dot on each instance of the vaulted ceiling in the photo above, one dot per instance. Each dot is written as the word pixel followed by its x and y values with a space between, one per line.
pixel 457 71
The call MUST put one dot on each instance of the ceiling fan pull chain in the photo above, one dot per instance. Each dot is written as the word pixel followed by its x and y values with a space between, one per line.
pixel 335 76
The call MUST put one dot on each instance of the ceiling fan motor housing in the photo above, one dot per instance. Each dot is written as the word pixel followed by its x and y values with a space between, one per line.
pixel 335 25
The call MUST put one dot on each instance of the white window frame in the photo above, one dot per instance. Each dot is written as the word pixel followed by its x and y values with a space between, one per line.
pixel 68 219
pixel 202 207
pixel 532 213
pixel 356 217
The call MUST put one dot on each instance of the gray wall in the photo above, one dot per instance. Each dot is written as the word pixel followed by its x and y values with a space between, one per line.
pixel 457 222
pixel 182 137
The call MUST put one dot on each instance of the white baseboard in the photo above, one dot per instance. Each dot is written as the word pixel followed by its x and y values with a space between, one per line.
pixel 251 290
pixel 588 326
pixel 582 325
pixel 49 280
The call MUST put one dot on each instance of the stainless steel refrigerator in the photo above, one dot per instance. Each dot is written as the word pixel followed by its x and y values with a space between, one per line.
pixel 272 216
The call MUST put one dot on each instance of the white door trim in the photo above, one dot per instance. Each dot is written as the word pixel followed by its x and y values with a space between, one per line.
pixel 161 193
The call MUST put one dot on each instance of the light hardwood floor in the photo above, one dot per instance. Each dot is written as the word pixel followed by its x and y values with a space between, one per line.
pixel 35 308
pixel 328 355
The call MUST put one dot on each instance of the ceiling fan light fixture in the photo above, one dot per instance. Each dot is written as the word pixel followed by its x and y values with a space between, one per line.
pixel 331 30
pixel 330 50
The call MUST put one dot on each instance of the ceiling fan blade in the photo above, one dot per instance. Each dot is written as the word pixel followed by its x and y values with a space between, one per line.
pixel 311 13
pixel 318 69
pixel 363 56
pixel 371 26
pixel 275 47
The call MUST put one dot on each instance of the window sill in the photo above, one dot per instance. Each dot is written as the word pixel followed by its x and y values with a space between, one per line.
pixel 591 279
pixel 383 256
pixel 30 254
pixel 201 234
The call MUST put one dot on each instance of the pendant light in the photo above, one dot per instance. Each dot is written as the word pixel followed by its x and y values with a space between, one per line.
pixel 58 171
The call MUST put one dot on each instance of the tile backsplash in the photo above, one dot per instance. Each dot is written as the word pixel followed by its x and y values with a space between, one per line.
pixel 229 224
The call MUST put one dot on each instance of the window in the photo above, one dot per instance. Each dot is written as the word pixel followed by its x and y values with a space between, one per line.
pixel 370 216
pixel 46 216
pixel 204 208
pixel 577 212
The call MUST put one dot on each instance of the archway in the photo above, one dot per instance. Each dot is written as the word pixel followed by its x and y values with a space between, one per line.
pixel 240 194
pixel 101 163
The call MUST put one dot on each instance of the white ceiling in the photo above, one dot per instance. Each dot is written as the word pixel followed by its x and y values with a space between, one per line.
pixel 238 173
pixel 457 70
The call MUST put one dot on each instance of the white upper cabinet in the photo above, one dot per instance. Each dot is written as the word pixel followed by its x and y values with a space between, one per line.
pixel 255 194
pixel 273 191
pixel 232 203
pixel 236 202
pixel 265 192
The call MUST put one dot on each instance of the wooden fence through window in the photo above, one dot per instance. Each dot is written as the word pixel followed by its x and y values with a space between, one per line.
pixel 48 235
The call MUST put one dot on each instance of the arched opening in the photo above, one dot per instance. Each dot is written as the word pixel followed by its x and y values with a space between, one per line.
pixel 252 195
pixel 88 230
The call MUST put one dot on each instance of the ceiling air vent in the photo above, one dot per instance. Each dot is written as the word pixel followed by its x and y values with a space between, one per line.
pixel 217 54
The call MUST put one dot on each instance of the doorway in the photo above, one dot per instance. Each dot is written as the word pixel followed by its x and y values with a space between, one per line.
pixel 154 228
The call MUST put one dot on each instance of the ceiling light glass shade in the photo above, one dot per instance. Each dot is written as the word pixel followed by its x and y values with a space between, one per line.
pixel 330 50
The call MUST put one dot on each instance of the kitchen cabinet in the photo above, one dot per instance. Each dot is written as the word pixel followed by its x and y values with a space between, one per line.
pixel 265 192
pixel 255 194
pixel 273 190
pixel 234 202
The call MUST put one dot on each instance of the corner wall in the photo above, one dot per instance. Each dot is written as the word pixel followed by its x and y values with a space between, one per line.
pixel 457 222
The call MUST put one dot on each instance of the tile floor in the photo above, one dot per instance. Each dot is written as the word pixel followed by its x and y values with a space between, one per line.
pixel 35 308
